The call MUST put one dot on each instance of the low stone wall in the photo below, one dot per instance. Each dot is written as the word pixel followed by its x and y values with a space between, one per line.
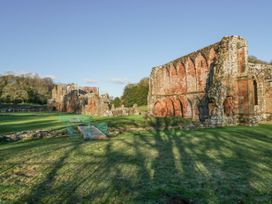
pixel 123 111
pixel 32 134
pixel 7 108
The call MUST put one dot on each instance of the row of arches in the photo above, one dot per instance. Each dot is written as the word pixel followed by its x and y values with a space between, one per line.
pixel 173 106
pixel 195 108
pixel 184 77
pixel 201 107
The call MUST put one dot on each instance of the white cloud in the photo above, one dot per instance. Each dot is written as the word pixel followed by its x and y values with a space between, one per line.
pixel 90 81
pixel 122 81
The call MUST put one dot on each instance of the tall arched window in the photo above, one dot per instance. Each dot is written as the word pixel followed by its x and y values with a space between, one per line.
pixel 255 92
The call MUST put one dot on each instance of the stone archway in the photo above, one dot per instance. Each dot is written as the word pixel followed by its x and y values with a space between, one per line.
pixel 178 107
pixel 182 79
pixel 160 109
pixel 186 107
pixel 190 75
pixel 170 107
pixel 201 72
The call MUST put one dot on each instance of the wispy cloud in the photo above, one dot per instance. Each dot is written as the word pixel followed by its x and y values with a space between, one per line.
pixel 90 81
pixel 121 81
pixel 28 74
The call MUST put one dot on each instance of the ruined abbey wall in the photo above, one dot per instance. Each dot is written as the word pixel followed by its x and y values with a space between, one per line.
pixel 86 100
pixel 215 84
pixel 71 98
pixel 262 75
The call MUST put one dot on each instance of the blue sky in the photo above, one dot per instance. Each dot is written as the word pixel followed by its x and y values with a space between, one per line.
pixel 108 43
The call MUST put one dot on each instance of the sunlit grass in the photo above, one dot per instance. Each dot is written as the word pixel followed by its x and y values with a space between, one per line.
pixel 224 165
pixel 14 122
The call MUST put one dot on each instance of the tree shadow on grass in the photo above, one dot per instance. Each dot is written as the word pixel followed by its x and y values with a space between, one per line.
pixel 43 189
pixel 161 166
pixel 41 124
pixel 122 123
pixel 31 121
pixel 210 167
pixel 33 149
pixel 11 117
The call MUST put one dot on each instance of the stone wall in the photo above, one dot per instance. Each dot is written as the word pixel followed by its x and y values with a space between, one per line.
pixel 214 84
pixel 96 105
pixel 5 108
pixel 71 98
pixel 85 100
pixel 261 83
pixel 124 111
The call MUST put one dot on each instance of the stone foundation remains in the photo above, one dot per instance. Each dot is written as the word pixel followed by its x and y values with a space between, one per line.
pixel 215 85
pixel 124 111
pixel 32 134
pixel 8 108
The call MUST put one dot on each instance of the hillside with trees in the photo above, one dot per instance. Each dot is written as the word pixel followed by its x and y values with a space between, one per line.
pixel 26 88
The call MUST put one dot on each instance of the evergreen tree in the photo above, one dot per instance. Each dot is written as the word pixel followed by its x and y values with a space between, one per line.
pixel 116 102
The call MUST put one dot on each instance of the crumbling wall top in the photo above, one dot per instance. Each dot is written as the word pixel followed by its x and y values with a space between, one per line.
pixel 204 51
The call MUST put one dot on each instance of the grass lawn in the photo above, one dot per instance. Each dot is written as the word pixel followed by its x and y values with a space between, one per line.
pixel 14 122
pixel 224 165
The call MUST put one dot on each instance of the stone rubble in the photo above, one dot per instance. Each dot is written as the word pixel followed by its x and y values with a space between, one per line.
pixel 32 134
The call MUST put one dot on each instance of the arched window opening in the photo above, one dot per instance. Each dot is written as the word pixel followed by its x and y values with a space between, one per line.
pixel 255 92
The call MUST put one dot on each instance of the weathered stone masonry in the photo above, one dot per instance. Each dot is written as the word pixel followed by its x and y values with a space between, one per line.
pixel 71 98
pixel 216 85
pixel 86 100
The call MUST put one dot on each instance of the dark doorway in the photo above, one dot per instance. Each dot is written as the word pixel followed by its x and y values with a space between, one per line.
pixel 255 92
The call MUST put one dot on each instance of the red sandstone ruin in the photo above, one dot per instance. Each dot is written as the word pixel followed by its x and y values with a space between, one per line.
pixel 71 98
pixel 216 85
pixel 86 100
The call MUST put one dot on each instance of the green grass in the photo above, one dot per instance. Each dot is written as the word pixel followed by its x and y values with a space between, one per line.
pixel 143 109
pixel 224 165
pixel 14 122
pixel 122 122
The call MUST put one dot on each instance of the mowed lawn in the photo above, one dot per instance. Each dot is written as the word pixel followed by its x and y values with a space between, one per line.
pixel 224 165
pixel 13 122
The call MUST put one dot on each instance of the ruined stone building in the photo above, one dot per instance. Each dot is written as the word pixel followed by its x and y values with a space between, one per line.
pixel 124 111
pixel 71 98
pixel 216 85
pixel 86 100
